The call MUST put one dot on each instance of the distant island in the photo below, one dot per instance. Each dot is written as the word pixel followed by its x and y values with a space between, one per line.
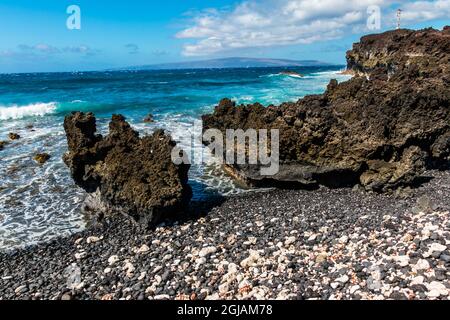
pixel 230 63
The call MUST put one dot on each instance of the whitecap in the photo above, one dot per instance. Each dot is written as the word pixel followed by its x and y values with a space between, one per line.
pixel 31 110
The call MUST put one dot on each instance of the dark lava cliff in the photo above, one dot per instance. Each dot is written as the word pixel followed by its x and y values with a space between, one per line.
pixel 381 129
pixel 125 173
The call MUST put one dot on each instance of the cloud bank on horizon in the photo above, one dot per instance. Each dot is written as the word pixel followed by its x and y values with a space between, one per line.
pixel 43 49
pixel 253 24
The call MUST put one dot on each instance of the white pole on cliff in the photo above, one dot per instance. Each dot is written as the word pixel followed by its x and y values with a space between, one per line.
pixel 399 16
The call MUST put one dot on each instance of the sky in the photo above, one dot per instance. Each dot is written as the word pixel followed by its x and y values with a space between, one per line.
pixel 44 36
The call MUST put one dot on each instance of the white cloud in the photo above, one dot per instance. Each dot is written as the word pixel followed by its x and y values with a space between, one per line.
pixel 426 10
pixel 286 22
pixel 132 48
pixel 39 48
pixel 45 50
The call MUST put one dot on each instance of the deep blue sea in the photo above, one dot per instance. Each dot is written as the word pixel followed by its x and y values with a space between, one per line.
pixel 38 203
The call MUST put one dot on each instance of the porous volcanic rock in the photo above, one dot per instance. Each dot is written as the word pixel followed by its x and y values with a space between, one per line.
pixel 149 118
pixel 123 172
pixel 380 129
pixel 41 158
pixel 13 136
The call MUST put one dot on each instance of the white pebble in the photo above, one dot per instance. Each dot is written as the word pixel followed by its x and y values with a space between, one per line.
pixel 353 289
pixel 417 280
pixel 80 255
pixel 92 239
pixel 343 239
pixel 290 241
pixel 422 265
pixel 200 261
pixel 436 289
pixel 224 288
pixel 251 260
pixel 207 251
pixel 112 260
pixel 143 249
pixel 437 247
pixel 403 261
pixel 128 268
pixel 334 285
pixel 343 279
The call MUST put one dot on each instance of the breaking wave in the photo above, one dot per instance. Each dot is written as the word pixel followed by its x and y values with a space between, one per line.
pixel 31 110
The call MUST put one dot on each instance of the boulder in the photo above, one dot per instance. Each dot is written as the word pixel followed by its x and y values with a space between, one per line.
pixel 3 144
pixel 381 129
pixel 41 158
pixel 13 136
pixel 125 173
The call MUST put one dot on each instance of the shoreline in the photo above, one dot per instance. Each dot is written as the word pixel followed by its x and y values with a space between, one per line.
pixel 279 244
pixel 175 115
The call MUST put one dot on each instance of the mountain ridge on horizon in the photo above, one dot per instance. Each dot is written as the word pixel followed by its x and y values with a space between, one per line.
pixel 232 62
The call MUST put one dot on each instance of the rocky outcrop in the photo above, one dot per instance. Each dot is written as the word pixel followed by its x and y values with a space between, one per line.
pixel 380 129
pixel 41 158
pixel 401 54
pixel 123 172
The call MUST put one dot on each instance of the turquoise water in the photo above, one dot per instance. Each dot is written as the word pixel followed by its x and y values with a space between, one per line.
pixel 38 203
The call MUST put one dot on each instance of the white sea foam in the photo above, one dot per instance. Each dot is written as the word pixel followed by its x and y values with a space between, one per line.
pixel 243 99
pixel 326 73
pixel 31 110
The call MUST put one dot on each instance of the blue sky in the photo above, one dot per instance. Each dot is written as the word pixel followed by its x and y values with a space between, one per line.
pixel 34 36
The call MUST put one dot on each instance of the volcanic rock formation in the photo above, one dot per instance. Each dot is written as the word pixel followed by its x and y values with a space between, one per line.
pixel 381 129
pixel 123 172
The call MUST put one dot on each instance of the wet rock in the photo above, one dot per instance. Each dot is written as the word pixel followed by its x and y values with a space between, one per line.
pixel 125 173
pixel 381 129
pixel 13 136
pixel 41 158
pixel 149 118
pixel 3 144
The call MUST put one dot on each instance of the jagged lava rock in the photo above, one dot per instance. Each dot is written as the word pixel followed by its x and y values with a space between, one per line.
pixel 402 53
pixel 380 129
pixel 123 172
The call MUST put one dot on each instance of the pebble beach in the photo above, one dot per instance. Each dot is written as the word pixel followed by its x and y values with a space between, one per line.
pixel 280 244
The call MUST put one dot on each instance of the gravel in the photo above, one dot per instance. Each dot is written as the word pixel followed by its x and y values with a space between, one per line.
pixel 281 244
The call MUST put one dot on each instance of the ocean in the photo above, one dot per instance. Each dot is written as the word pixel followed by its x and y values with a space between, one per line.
pixel 41 202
